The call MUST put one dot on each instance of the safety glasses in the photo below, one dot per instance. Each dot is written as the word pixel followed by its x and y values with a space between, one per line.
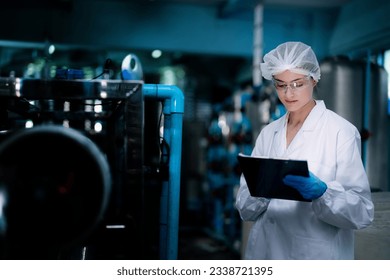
pixel 296 85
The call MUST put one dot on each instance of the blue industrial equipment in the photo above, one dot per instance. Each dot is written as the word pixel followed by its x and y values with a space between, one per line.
pixel 170 197
pixel 229 133
pixel 173 110
pixel 131 68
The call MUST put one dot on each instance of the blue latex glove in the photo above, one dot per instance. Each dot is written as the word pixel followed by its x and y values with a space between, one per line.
pixel 309 187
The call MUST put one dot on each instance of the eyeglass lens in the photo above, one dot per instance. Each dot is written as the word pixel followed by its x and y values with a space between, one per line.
pixel 279 85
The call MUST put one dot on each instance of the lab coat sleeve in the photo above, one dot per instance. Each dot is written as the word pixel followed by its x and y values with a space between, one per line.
pixel 347 201
pixel 249 207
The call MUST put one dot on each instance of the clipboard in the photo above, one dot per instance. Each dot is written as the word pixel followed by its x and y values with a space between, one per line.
pixel 264 176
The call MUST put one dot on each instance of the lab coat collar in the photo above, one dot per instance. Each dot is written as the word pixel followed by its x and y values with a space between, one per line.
pixel 311 120
pixel 314 116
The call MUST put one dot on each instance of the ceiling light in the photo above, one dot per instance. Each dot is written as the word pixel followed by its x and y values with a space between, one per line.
pixel 156 53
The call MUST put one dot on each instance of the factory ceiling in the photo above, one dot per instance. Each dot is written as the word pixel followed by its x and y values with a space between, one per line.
pixel 90 36
pixel 250 3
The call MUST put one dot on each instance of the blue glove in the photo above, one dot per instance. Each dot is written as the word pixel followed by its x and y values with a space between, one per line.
pixel 309 187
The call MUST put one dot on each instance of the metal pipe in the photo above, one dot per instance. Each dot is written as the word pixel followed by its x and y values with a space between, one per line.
pixel 173 124
pixel 366 104
pixel 257 44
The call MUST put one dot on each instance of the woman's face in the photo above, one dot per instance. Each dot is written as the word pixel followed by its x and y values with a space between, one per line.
pixel 294 90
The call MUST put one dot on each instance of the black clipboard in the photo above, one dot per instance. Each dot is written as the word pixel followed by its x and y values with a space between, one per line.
pixel 264 176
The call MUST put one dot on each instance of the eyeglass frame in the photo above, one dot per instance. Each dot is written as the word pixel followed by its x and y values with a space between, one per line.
pixel 292 85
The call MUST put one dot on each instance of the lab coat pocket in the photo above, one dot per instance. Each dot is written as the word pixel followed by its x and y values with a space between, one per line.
pixel 306 248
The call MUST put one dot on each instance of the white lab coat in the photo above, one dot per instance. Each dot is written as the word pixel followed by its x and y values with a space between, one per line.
pixel 323 228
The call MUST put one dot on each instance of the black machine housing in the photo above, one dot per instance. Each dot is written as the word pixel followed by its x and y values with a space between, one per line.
pixel 71 169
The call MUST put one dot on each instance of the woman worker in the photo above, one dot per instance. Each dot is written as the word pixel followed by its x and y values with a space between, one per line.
pixel 337 186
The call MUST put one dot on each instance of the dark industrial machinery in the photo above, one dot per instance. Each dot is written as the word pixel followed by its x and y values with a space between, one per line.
pixel 72 174
pixel 76 166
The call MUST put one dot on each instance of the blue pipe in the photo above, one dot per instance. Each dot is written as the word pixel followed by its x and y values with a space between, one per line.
pixel 170 199
pixel 166 92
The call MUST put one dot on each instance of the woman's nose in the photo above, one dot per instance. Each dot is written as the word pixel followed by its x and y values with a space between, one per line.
pixel 288 89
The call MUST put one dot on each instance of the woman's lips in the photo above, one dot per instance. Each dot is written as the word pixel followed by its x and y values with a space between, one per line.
pixel 290 101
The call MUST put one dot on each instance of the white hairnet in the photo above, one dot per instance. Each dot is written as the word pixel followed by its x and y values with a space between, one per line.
pixel 293 56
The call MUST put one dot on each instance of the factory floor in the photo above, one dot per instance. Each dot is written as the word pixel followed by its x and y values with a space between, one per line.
pixel 372 243
pixel 200 245
pixel 198 242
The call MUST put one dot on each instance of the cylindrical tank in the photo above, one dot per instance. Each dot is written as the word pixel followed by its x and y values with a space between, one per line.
pixel 377 144
pixel 56 184
pixel 342 87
